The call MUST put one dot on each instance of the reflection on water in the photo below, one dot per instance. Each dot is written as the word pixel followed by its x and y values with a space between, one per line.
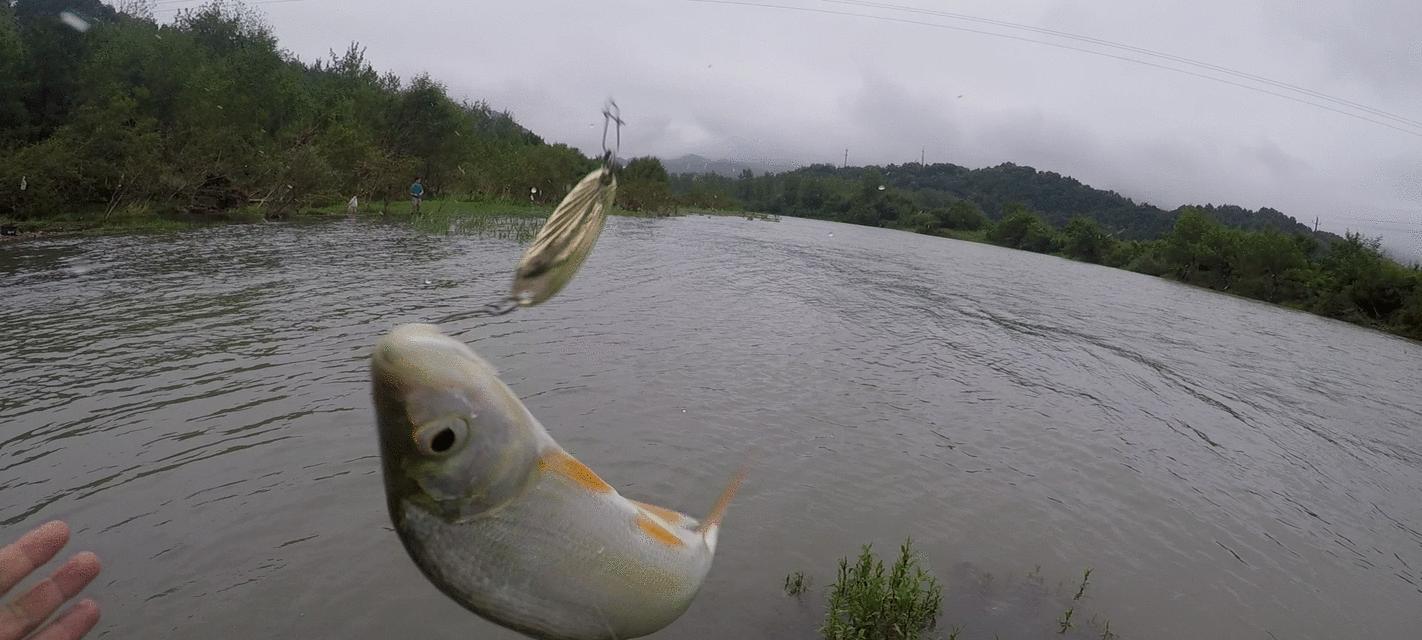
pixel 197 407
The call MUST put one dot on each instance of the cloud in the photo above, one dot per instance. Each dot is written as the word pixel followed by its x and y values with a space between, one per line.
pixel 754 83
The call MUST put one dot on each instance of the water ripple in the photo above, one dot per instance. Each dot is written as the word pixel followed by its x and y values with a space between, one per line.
pixel 197 405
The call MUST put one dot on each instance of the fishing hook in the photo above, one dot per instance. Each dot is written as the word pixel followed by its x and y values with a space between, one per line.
pixel 611 113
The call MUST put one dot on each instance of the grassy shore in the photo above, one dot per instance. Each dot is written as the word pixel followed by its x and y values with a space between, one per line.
pixel 125 221
pixel 437 215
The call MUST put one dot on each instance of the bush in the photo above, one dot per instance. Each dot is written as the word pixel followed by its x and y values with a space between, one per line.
pixel 1146 258
pixel 1022 229
pixel 34 180
pixel 866 604
pixel 1409 320
pixel 920 221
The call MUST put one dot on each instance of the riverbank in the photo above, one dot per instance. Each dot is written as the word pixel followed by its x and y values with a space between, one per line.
pixel 438 215
pixel 120 222
pixel 1340 305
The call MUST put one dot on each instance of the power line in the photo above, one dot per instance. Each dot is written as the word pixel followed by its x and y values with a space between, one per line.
pixel 1063 46
pixel 1127 47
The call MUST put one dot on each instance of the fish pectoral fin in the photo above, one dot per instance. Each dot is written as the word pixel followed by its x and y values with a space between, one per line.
pixel 564 465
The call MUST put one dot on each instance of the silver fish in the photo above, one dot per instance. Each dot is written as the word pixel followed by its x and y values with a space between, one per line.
pixel 566 239
pixel 506 522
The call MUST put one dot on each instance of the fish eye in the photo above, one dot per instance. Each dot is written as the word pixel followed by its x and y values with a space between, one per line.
pixel 442 440
pixel 441 436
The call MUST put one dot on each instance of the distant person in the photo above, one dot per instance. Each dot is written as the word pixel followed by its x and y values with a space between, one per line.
pixel 24 614
pixel 417 193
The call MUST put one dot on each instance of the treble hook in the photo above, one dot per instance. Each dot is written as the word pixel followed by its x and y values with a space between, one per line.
pixel 611 113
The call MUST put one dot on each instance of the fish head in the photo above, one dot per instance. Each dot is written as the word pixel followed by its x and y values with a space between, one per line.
pixel 454 440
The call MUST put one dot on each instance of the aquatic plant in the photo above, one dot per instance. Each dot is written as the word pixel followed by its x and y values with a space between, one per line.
pixel 796 584
pixel 866 603
pixel 1064 623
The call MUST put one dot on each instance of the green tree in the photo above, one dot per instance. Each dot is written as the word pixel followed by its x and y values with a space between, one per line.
pixel 53 55
pixel 963 215
pixel 1199 249
pixel 1022 229
pixel 550 171
pixel 427 126
pixel 1359 278
pixel 644 185
pixel 14 117
pixel 1269 265
pixel 1083 239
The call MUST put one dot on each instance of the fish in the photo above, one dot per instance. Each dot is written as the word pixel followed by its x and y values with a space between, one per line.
pixel 506 522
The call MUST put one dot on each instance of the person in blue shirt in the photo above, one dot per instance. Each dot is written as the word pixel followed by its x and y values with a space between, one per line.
pixel 417 193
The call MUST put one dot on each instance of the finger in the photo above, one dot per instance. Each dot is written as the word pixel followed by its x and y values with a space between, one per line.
pixel 75 622
pixel 30 551
pixel 29 610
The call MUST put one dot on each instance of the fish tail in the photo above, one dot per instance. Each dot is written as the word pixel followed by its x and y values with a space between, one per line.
pixel 718 511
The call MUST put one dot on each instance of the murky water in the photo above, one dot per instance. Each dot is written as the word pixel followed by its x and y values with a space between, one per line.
pixel 196 406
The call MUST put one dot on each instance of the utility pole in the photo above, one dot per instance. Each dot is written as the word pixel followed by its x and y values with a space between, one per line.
pixel 1315 224
pixel 921 151
pixel 846 156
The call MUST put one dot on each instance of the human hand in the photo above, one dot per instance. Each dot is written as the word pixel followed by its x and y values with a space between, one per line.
pixel 20 616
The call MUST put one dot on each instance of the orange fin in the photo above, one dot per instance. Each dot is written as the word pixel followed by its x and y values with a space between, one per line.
pixel 562 463
pixel 718 511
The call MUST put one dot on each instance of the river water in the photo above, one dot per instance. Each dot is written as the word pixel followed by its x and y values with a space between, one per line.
pixel 196 406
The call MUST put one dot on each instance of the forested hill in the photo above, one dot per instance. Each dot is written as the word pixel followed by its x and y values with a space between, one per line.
pixel 1059 198
pixel 827 191
pixel 120 115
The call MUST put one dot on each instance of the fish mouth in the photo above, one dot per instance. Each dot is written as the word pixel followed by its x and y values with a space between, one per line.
pixel 441 493
pixel 450 510
pixel 428 374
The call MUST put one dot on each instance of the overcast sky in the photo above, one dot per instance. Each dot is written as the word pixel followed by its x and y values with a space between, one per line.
pixel 747 82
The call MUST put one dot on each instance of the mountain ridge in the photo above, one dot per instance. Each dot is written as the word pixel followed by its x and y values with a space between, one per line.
pixel 1056 197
